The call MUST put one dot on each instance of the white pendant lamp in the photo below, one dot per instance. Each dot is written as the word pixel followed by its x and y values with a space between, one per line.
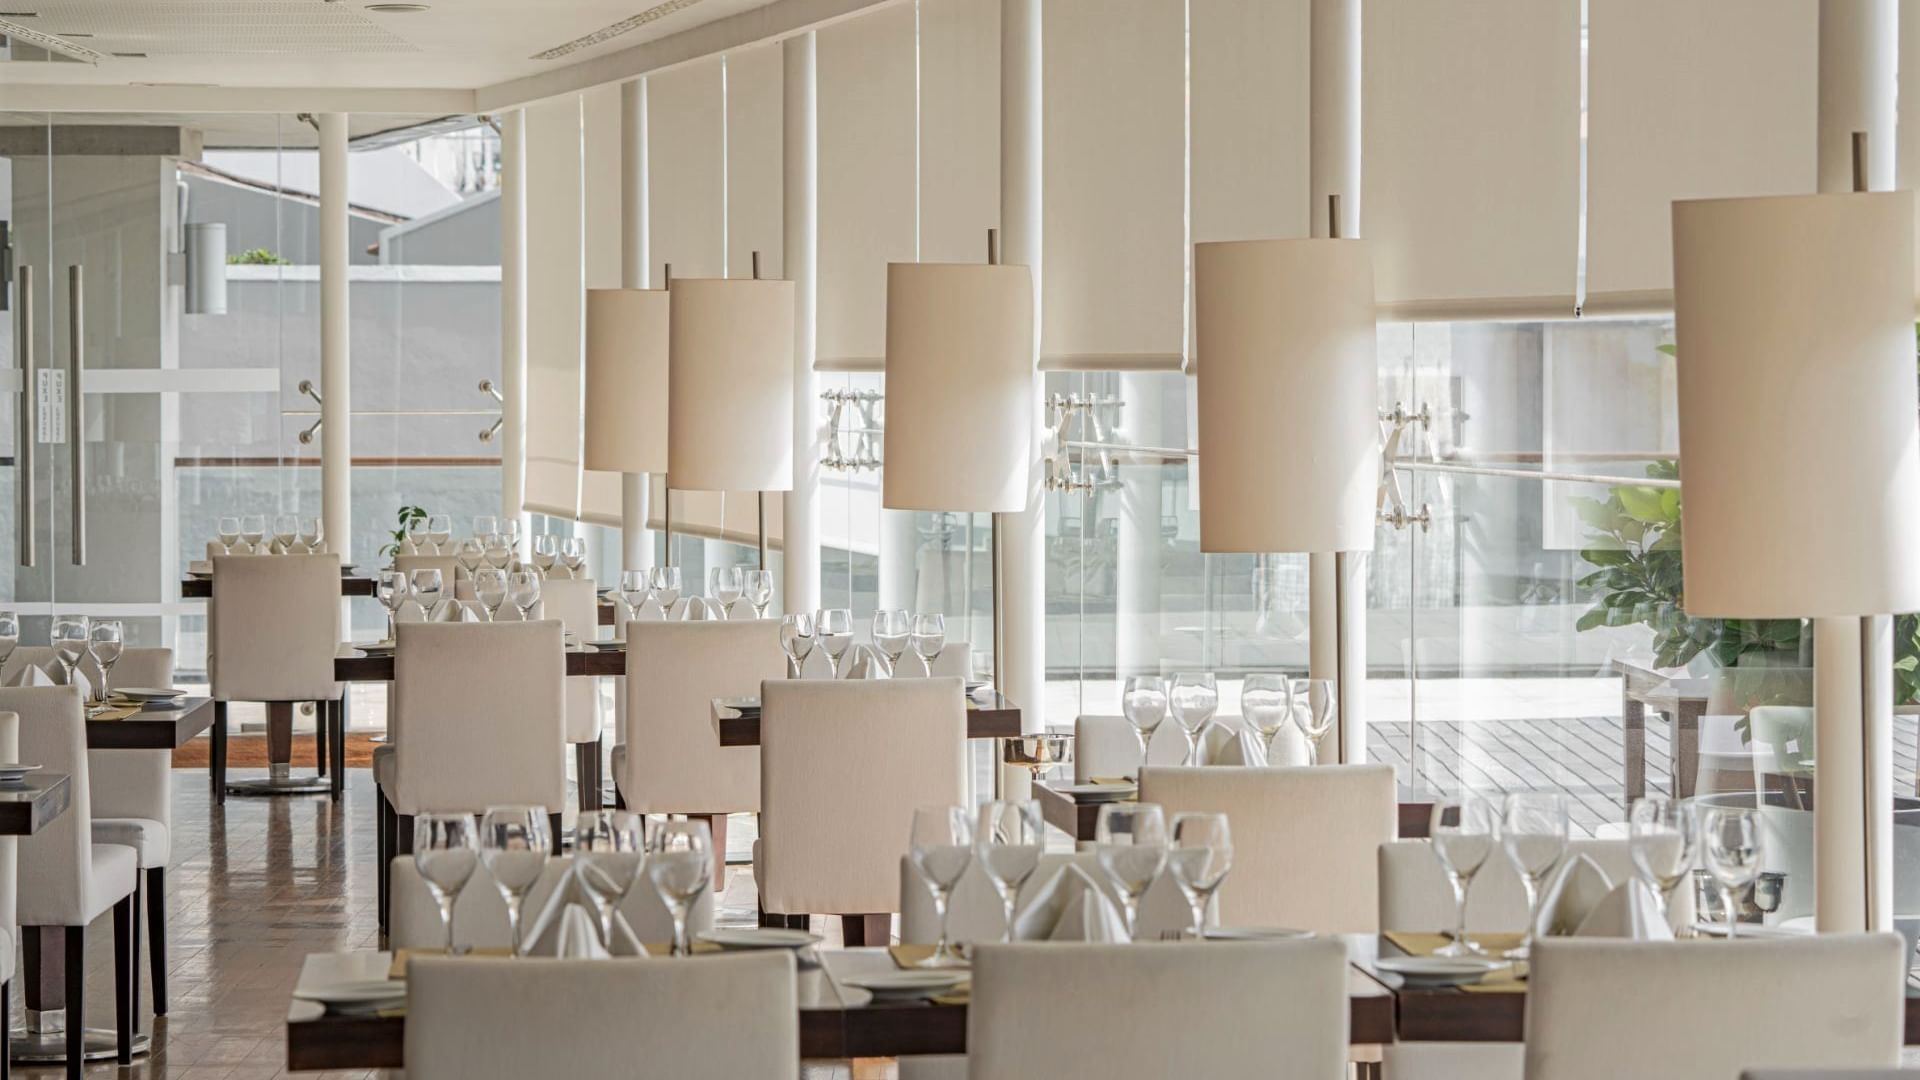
pixel 626 380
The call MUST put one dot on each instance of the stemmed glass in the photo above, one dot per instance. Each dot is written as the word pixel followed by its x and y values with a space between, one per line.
pixel 523 588
pixel 513 533
pixel 1663 839
pixel 285 528
pixel 545 551
pixel 1193 700
pixel 891 629
pixel 1200 856
pixel 1534 833
pixel 635 590
pixel 9 635
pixel 417 534
pixel 498 549
pixel 757 587
pixel 609 845
pixel 1130 842
pixel 680 866
pixel 1266 700
pixel 470 554
pixel 514 845
pixel 573 555
pixel 392 587
pixel 106 641
pixel 427 588
pixel 228 529
pixel 928 638
pixel 796 640
pixel 485 524
pixel 1731 849
pixel 941 848
pixel 445 851
pixel 1007 844
pixel 1314 720
pixel 1463 833
pixel 311 530
pixel 833 628
pixel 666 588
pixel 490 588
pixel 253 529
pixel 69 643
pixel 1144 702
pixel 725 585
pixel 439 532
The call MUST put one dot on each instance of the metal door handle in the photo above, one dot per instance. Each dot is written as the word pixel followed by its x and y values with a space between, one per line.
pixel 76 407
pixel 23 347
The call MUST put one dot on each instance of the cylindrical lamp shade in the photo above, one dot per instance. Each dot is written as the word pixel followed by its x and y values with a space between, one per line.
pixel 207 269
pixel 1799 459
pixel 960 396
pixel 730 385
pixel 626 380
pixel 1288 413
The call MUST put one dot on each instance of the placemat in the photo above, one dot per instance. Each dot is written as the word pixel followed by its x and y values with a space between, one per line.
pixel 398 968
pixel 908 957
pixel 115 711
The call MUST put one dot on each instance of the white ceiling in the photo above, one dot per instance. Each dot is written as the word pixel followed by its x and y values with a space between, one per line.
pixel 253 131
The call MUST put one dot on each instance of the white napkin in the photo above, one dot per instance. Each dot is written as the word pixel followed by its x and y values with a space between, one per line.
pixel 1575 892
pixel 569 925
pixel 455 611
pixel 1070 907
pixel 1628 911
pixel 982 694
pixel 31 675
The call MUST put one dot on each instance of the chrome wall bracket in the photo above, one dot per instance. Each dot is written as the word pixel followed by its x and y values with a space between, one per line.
pixel 856 430
pixel 1391 506
pixel 487 388
pixel 1098 417
pixel 306 387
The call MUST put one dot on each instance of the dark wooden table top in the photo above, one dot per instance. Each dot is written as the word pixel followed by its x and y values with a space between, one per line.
pixel 26 807
pixel 1076 818
pixel 352 665
pixel 738 720
pixel 153 729
pixel 200 587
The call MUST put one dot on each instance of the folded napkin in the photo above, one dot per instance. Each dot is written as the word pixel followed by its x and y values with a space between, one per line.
pixel 456 611
pixel 1070 907
pixel 31 675
pixel 982 694
pixel 569 925
pixel 1576 890
pixel 1630 911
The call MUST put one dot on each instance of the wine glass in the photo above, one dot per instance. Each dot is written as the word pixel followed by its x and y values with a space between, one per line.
pixel 9 635
pixel 635 590
pixel 1663 839
pixel 445 851
pixel 1200 855
pixel 573 555
pixel 757 587
pixel 928 638
pixel 416 530
pixel 312 529
pixel 833 628
pixel 891 629
pixel 545 551
pixel 680 866
pixel 1317 717
pixel 490 589
pixel 439 532
pixel 69 643
pixel 427 588
pixel 499 551
pixel 609 845
pixel 514 845
pixel 228 529
pixel 523 588
pixel 666 588
pixel 725 585
pixel 1266 700
pixel 940 847
pixel 253 529
pixel 285 528
pixel 513 532
pixel 392 587
pixel 1007 844
pixel 470 554
pixel 485 525
pixel 1193 700
pixel 1130 843
pixel 1533 830
pixel 1731 848
pixel 1144 702
pixel 106 641
pixel 1463 833
pixel 796 640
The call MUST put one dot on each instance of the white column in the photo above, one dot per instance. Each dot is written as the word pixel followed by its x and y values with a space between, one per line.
pixel 513 314
pixel 636 541
pixel 800 519
pixel 899 551
pixel 1337 585
pixel 336 375
pixel 1853 658
pixel 1136 628
pixel 1022 665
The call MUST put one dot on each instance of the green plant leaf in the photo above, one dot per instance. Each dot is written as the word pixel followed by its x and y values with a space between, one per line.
pixel 1642 503
pixel 1595 617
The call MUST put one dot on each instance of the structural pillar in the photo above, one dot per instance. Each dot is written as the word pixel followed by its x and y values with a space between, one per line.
pixel 336 377
pixel 800 518
pixel 1136 624
pixel 513 315
pixel 636 540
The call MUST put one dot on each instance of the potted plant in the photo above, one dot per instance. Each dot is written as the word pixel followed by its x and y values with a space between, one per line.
pixel 407 516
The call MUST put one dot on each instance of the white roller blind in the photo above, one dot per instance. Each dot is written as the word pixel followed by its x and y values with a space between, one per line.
pixel 1470 178
pixel 601 230
pixel 754 160
pixel 868 170
pixel 1701 99
pixel 686 171
pixel 698 513
pixel 554 301
pixel 1114 288
pixel 960 119
pixel 1907 135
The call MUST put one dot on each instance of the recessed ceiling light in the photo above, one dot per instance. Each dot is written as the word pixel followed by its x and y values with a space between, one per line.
pixel 397 9
pixel 608 33
pixel 131 55
pixel 19 14
pixel 71 33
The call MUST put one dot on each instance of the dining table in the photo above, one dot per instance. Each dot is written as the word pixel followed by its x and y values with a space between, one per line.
pixel 200 586
pixel 1076 812
pixel 34 802
pixel 736 721
pixel 352 663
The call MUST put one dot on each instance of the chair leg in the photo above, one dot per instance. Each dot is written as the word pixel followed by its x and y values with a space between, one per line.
pixel 583 774
pixel 403 837
pixel 6 1030
pixel 76 1001
pixel 383 848
pixel 157 935
pixel 556 825
pixel 217 754
pixel 122 978
pixel 340 748
pixel 619 797
pixel 717 825
pixel 859 930
pixel 133 962
pixel 322 745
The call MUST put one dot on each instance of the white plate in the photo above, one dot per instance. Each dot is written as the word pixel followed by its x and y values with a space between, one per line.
pixel 361 992
pixel 1756 931
pixel 148 693
pixel 1093 793
pixel 145 704
pixel 1438 970
pixel 613 643
pixel 1255 933
pixel 759 937
pixel 13 774
pixel 906 985
pixel 376 648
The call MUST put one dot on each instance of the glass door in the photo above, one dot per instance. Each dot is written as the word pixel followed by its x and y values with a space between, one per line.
pixel 33 417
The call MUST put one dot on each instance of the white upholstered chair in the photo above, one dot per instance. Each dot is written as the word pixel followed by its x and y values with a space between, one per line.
pixel 574 603
pixel 69 880
pixel 1222 1011
pixel 273 627
pixel 732 1016
pixel 843 765
pixel 480 916
pixel 1305 840
pixel 1831 1000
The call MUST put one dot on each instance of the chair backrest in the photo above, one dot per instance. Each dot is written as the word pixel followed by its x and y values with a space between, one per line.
pixel 273 627
pixel 448 565
pixel 1305 840
pixel 674 761
pixel 485 724
pixel 976 913
pixel 1830 1074
pixel 53 735
pixel 480 915
pixel 1415 895
pixel 1830 1000
pixel 126 783
pixel 574 602
pixel 1218 1010
pixel 843 765
pixel 717 1016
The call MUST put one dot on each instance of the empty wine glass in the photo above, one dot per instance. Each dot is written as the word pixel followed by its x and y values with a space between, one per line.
pixel 833 629
pixel 253 529
pixel 545 550
pixel 1316 717
pixel 929 637
pixel 1663 839
pixel 941 847
pixel 470 554
pixel 725 585
pixel 1144 703
pixel 666 588
pixel 523 588
pixel 498 549
pixel 427 587
pixel 285 528
pixel 609 845
pixel 1533 830
pixel 228 530
pixel 1463 832
pixel 891 630
pixel 416 530
pixel 1007 843
pixel 439 532
pixel 485 524
pixel 796 640
pixel 680 866
pixel 69 643
pixel 514 845
pixel 392 587
pixel 490 589
pixel 757 587
pixel 9 635
pixel 312 529
pixel 1266 700
pixel 106 641
pixel 573 555
pixel 1193 700
pixel 1130 843
pixel 1731 848
pixel 635 590
pixel 1200 853
pixel 445 851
